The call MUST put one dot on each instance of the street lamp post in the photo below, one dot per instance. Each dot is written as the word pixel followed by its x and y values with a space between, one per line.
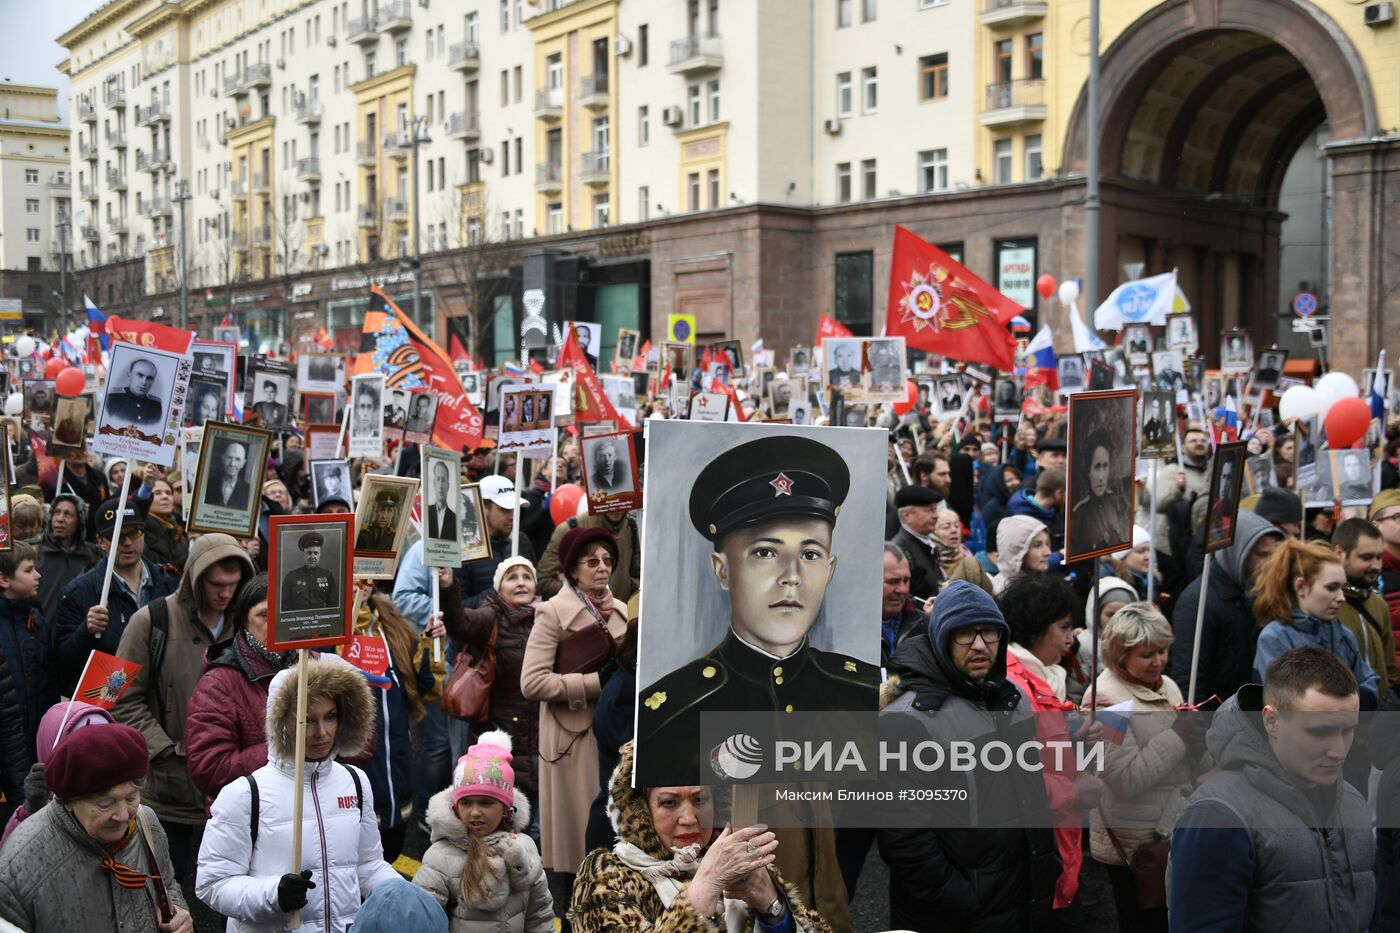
pixel 418 136
pixel 182 195
pixel 65 313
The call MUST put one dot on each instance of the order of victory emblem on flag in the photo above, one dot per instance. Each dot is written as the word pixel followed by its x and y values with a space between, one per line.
pixel 104 679
pixel 109 691
pixel 932 301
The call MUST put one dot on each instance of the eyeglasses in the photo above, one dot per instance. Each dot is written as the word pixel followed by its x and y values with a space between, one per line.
pixel 989 634
pixel 131 534
pixel 592 562
pixel 1386 518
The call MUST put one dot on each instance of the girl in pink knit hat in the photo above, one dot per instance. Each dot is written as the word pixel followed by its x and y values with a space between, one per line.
pixel 481 866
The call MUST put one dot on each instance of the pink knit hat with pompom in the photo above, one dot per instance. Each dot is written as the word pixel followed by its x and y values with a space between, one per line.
pixel 485 770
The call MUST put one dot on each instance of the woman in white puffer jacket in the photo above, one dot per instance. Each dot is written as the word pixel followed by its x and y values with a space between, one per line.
pixel 245 869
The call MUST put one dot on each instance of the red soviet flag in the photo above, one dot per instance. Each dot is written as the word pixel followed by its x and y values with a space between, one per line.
pixel 104 680
pixel 831 328
pixel 936 304
pixel 590 402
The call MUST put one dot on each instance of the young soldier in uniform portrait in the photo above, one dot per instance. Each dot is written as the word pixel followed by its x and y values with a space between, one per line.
pixel 309 586
pixel 379 534
pixel 136 404
pixel 769 508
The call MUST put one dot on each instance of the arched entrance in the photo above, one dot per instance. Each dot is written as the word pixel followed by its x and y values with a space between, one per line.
pixel 1203 105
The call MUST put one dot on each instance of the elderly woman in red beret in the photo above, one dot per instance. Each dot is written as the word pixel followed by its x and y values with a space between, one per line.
pixel 567 658
pixel 94 859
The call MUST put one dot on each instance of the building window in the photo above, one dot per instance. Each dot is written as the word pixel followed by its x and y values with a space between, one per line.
pixel 855 291
pixel 1034 164
pixel 519 74
pixel 843 13
pixel 1035 55
pixel 843 182
pixel 1001 61
pixel 644 203
pixel 870 89
pixel 694 102
pixel 35 264
pixel 31 176
pixel 369 64
pixel 933 170
pixel 713 88
pixel 868 10
pixel 31 205
pixel 505 23
pixel 400 53
pixel 473 30
pixel 843 94
pixel 692 185
pixel 712 182
pixel 554 72
pixel 474 231
pixel 643 126
pixel 867 179
pixel 1003 161
pixel 642 51
pixel 31 235
pixel 602 210
pixel 933 77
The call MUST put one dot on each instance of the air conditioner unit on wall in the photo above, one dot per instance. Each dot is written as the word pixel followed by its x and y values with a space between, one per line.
pixel 330 40
pixel 672 116
pixel 622 46
pixel 487 156
pixel 832 127
pixel 281 64
pixel 1378 14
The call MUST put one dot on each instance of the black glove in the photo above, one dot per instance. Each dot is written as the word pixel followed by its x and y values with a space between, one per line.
pixel 1191 727
pixel 36 792
pixel 291 891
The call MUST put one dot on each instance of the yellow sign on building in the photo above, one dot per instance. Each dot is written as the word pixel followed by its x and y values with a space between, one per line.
pixel 680 328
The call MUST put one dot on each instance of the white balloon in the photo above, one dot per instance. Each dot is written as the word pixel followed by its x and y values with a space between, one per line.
pixel 1331 389
pixel 24 346
pixel 14 404
pixel 1069 291
pixel 1297 402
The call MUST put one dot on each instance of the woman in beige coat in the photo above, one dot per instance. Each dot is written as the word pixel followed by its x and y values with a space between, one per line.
pixel 568 764
pixel 1148 778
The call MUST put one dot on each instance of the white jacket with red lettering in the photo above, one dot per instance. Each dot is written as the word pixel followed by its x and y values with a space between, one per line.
pixel 339 837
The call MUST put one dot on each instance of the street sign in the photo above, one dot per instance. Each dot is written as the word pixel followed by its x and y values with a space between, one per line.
pixel 1304 304
pixel 1307 325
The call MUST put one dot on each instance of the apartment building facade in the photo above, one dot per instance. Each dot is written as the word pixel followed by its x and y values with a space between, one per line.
pixel 743 161
pixel 35 203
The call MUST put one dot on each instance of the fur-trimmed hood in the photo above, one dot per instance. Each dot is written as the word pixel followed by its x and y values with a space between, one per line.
pixel 326 675
pixel 444 826
pixel 631 815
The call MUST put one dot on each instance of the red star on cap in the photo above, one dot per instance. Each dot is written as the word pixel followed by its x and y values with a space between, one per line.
pixel 782 484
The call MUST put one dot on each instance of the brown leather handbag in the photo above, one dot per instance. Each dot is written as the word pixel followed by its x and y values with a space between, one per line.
pixel 586 651
pixel 1149 867
pixel 467 693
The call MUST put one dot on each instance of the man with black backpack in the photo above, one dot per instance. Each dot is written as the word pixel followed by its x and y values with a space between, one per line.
pixel 168 638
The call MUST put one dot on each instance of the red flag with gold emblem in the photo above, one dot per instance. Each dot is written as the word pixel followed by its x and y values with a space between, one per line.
pixel 105 678
pixel 590 402
pixel 936 304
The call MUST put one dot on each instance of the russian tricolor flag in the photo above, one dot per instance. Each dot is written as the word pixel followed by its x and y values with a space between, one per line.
pixel 1378 388
pixel 1114 720
pixel 1228 421
pixel 97 323
pixel 1042 350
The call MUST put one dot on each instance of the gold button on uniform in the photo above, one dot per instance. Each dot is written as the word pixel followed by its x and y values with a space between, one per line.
pixel 788 707
pixel 777 672
pixel 708 672
pixel 777 680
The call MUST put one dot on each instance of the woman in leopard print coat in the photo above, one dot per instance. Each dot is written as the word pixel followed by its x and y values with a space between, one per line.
pixel 671 871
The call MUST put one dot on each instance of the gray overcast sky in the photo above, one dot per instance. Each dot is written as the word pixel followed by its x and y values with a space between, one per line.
pixel 27 50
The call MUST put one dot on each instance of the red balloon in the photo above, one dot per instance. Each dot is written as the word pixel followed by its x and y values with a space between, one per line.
pixel 1346 422
pixel 911 398
pixel 55 366
pixel 563 505
pixel 70 382
pixel 1045 285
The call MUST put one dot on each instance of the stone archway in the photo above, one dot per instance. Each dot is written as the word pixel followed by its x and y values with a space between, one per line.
pixel 1203 103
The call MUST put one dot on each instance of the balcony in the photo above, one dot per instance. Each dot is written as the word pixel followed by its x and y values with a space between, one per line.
pixel 257 75
pixel 395 17
pixel 595 168
pixel 309 170
pixel 59 182
pixel 233 84
pixel 87 152
pixel 1014 102
pixel 262 183
pixel 87 192
pixel 262 237
pixel 365 154
pixel 696 54
pixel 464 56
pixel 151 113
pixel 116 226
pixel 308 112
pixel 549 104
pixel 1012 12
pixel 89 232
pixel 238 241
pixel 549 177
pixel 361 31
pixel 238 190
pixel 366 216
pixel 159 207
pixel 116 180
pixel 116 138
pixel 115 98
pixel 396 210
pixel 160 160
pixel 87 113
pixel 593 91
pixel 463 125
pixel 396 145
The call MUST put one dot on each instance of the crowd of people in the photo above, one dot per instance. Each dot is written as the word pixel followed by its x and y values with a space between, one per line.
pixel 1273 812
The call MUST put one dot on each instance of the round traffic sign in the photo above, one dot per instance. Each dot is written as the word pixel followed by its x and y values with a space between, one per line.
pixel 1304 304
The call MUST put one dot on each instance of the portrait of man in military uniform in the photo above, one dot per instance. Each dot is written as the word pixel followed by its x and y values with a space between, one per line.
pixel 381 518
pixel 767 511
pixel 138 401
pixel 310 586
pixel 271 404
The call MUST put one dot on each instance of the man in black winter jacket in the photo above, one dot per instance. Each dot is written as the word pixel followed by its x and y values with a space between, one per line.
pixel 993 866
pixel 64 554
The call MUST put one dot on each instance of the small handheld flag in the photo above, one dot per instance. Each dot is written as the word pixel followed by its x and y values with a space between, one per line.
pixel 106 677
pixel 1114 720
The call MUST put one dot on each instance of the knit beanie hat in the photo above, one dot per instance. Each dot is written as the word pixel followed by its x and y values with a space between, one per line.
pixel 485 770
pixel 504 567
pixel 1140 537
pixel 93 760
pixel 1384 499
pixel 1278 506
pixel 572 545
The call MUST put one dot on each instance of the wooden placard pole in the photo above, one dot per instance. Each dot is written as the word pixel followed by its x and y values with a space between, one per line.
pixel 299 774
pixel 437 607
pixel 116 541
pixel 1200 623
pixel 1152 548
